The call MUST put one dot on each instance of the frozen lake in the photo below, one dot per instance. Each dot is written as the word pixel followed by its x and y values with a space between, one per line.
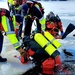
pixel 66 11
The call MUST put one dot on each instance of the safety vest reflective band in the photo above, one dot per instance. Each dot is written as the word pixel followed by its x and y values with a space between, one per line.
pixel 14 40
pixel 54 41
pixel 16 45
pixel 42 41
pixel 42 22
pixel 9 31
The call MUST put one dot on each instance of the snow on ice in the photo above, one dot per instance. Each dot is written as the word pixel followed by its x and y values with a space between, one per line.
pixel 66 11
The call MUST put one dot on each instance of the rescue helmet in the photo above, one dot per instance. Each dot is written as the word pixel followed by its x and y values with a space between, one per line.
pixel 51 14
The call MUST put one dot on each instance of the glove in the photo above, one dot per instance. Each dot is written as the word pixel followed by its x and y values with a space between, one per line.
pixel 61 33
pixel 23 56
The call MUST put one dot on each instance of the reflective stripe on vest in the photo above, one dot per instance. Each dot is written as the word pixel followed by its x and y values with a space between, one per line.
pixel 14 40
pixel 11 32
pixel 16 45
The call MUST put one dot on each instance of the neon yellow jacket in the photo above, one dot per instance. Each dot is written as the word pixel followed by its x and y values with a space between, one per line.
pixel 11 2
pixel 43 22
pixel 9 29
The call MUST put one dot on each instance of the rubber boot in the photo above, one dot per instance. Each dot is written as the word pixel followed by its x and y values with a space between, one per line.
pixel 3 59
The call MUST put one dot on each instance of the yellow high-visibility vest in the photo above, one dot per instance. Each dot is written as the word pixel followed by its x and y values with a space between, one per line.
pixel 11 2
pixel 9 32
pixel 42 22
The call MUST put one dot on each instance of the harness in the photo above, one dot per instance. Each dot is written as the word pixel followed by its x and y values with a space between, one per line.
pixel 37 4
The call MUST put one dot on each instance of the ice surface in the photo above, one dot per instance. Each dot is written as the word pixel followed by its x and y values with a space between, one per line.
pixel 66 12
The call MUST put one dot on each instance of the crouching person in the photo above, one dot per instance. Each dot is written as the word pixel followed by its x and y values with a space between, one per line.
pixel 7 26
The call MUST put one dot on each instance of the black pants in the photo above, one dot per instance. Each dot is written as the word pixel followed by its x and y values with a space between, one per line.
pixel 28 26
pixel 33 12
pixel 1 41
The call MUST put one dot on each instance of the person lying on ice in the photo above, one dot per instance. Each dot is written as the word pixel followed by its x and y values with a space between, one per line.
pixel 7 26
pixel 54 25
